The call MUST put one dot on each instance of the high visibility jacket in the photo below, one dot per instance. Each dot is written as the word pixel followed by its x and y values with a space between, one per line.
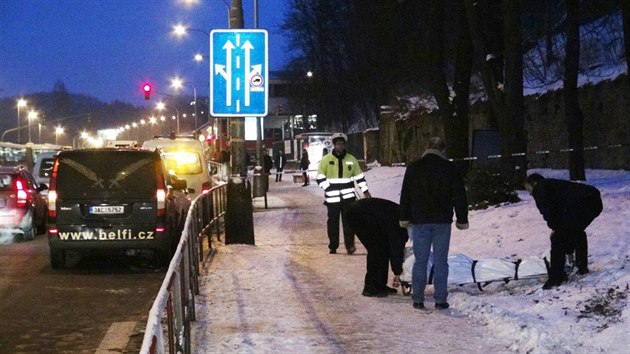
pixel 337 177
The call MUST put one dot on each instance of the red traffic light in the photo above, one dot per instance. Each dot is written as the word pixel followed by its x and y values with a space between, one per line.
pixel 147 91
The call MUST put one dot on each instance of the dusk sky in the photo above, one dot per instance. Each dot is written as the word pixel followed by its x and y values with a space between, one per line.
pixel 108 48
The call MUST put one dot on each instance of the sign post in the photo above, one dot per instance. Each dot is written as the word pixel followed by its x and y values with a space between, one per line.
pixel 238 88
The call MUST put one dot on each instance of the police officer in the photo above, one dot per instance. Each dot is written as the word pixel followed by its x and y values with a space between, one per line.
pixel 337 174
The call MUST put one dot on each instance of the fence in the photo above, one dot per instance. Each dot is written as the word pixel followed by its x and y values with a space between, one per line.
pixel 174 307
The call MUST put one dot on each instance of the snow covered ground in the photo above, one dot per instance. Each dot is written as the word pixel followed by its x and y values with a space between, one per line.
pixel 287 294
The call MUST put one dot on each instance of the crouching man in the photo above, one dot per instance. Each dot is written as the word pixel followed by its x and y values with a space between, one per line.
pixel 568 208
pixel 375 222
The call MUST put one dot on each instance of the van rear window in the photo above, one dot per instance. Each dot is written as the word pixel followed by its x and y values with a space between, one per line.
pixel 105 175
pixel 46 167
pixel 183 162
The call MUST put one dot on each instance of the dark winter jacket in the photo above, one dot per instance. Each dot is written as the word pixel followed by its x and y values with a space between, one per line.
pixel 280 161
pixel 304 162
pixel 431 188
pixel 567 205
pixel 375 221
pixel 267 164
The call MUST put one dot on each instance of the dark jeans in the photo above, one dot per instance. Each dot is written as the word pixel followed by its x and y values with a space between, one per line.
pixel 334 213
pixel 565 242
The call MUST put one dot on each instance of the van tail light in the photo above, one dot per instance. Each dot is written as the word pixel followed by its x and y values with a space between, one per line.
pixel 205 187
pixel 160 229
pixel 22 196
pixel 52 203
pixel 52 191
pixel 161 191
pixel 161 202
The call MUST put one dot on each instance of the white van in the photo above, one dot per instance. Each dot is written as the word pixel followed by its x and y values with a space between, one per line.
pixel 185 157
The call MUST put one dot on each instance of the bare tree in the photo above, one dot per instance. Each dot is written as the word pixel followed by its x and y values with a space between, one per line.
pixel 496 34
pixel 461 83
pixel 625 14
pixel 572 111
pixel 512 124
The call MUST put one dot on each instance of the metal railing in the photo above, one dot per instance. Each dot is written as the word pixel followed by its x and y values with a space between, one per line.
pixel 174 307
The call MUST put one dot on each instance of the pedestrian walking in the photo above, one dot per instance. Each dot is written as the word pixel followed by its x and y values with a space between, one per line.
pixel 568 208
pixel 431 189
pixel 375 222
pixel 279 162
pixel 337 174
pixel 304 163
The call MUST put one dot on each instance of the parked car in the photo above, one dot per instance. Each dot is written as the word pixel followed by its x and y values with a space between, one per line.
pixel 186 158
pixel 114 199
pixel 22 205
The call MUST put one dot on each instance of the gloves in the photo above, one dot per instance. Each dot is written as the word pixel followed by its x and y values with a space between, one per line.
pixel 403 223
pixel 462 226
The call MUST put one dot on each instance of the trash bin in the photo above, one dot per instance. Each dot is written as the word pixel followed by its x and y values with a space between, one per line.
pixel 261 183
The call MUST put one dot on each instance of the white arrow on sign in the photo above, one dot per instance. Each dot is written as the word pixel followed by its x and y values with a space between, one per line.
pixel 226 71
pixel 247 47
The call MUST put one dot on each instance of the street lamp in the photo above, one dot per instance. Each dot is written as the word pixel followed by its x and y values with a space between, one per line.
pixel 180 30
pixel 31 115
pixel 177 83
pixel 58 131
pixel 20 103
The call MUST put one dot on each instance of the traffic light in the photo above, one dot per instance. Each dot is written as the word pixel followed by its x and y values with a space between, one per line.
pixel 147 91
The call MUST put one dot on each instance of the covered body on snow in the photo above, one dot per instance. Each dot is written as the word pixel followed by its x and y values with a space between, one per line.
pixel 465 270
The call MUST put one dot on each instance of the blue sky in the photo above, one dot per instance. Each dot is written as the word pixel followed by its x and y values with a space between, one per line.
pixel 108 48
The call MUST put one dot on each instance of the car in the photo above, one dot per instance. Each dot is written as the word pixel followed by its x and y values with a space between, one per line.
pixel 114 199
pixel 185 156
pixel 43 167
pixel 22 204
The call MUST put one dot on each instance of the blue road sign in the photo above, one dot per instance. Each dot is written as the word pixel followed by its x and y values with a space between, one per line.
pixel 238 73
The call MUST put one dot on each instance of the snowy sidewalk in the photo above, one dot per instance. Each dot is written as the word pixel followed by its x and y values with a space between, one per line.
pixel 287 294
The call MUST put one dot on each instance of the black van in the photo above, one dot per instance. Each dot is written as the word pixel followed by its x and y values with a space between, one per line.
pixel 114 199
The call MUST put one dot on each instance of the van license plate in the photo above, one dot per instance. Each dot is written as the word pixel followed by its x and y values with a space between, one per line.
pixel 110 209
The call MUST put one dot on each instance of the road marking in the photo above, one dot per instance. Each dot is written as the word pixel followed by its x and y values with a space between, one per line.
pixel 116 338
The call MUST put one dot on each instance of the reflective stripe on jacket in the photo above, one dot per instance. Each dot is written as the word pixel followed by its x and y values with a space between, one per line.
pixel 338 180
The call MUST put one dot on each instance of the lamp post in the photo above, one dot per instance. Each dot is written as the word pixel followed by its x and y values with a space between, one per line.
pixel 177 83
pixel 31 115
pixel 161 106
pixel 58 130
pixel 20 103
pixel 181 30
pixel 82 135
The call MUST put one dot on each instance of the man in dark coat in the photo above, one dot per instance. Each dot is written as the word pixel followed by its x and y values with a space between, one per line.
pixel 304 163
pixel 267 164
pixel 280 161
pixel 432 189
pixel 375 222
pixel 568 208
